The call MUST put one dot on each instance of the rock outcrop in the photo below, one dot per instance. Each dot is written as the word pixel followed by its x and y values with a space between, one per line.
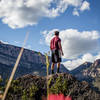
pixel 31 87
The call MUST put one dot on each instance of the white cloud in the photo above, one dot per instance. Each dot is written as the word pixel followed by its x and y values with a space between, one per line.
pixel 75 12
pixel 72 64
pixel 88 57
pixel 21 13
pixel 85 6
pixel 75 43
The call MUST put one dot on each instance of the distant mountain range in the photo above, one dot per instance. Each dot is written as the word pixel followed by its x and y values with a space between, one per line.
pixel 79 71
pixel 31 62
pixel 89 72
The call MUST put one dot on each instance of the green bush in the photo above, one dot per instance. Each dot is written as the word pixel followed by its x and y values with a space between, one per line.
pixel 32 91
pixel 24 96
pixel 15 82
pixel 60 86
pixel 15 87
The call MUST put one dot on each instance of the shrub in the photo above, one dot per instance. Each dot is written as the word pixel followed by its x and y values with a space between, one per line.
pixel 15 87
pixel 32 91
pixel 24 95
pixel 60 86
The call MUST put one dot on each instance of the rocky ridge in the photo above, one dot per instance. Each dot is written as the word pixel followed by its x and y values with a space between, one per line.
pixel 34 87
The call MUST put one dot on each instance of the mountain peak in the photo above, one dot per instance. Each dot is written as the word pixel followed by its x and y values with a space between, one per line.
pixel 86 63
pixel 88 72
pixel 80 69
pixel 0 42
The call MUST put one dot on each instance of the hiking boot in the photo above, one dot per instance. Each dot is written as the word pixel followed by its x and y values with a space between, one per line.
pixel 52 71
pixel 58 70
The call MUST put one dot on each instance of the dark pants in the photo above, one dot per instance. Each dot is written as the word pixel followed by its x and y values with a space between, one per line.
pixel 56 56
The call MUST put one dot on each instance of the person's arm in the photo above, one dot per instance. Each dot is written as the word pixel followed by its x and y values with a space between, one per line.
pixel 50 45
pixel 60 46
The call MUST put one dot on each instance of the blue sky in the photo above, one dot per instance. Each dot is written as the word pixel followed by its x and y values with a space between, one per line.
pixel 87 18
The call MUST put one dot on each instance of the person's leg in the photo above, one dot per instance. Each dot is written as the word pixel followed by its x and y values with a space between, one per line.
pixel 52 68
pixel 58 67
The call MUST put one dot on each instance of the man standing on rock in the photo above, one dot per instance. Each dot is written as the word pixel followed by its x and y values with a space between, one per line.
pixel 56 50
